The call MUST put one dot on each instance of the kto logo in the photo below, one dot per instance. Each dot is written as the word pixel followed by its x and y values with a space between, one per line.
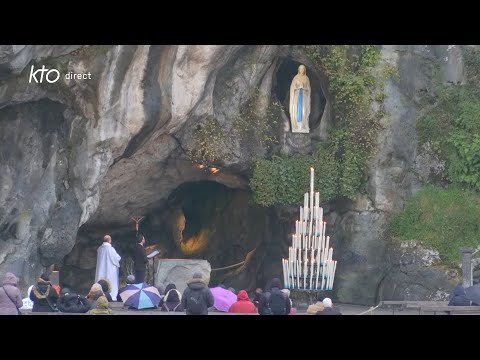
pixel 51 78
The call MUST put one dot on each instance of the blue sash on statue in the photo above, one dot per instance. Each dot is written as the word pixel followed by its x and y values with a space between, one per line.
pixel 300 106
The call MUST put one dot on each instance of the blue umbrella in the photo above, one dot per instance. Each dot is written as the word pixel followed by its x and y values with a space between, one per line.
pixel 140 296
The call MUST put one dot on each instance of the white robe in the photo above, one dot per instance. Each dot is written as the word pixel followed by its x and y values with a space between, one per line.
pixel 108 265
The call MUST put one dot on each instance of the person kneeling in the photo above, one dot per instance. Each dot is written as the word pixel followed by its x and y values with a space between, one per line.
pixel 102 307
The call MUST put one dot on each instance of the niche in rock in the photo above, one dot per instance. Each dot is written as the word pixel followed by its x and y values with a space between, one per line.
pixel 286 71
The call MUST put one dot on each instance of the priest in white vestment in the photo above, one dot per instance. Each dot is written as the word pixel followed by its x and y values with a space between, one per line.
pixel 108 264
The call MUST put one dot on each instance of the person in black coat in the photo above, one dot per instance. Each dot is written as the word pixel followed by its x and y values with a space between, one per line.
pixel 197 297
pixel 44 296
pixel 257 297
pixel 140 259
pixel 459 297
pixel 264 303
pixel 69 302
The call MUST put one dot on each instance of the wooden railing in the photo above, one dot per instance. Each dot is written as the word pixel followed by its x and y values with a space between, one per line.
pixel 412 304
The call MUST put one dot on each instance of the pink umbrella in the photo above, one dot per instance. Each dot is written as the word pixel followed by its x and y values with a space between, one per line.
pixel 223 298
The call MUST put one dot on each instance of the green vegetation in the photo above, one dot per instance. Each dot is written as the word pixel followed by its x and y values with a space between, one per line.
pixel 446 218
pixel 213 142
pixel 354 83
pixel 452 127
pixel 443 219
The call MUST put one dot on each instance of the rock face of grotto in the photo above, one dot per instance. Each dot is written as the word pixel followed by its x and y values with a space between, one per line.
pixel 79 158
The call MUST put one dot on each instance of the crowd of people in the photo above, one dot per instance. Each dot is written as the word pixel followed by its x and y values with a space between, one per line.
pixel 196 299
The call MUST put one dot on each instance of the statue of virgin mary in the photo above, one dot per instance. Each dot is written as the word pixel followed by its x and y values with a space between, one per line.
pixel 300 101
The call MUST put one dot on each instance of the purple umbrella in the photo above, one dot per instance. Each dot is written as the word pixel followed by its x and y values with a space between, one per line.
pixel 140 296
pixel 223 298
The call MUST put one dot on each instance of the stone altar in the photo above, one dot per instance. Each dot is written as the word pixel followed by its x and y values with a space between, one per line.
pixel 179 271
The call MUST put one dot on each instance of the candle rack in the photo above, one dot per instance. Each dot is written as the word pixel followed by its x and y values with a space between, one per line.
pixel 310 265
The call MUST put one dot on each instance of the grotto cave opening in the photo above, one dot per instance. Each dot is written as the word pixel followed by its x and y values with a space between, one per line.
pixel 199 220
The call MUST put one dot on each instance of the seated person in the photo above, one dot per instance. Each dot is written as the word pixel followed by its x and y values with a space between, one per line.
pixel 459 297
pixel 93 295
pixel 44 296
pixel 243 304
pixel 101 307
pixel 69 302
pixel 257 297
pixel 106 288
pixel 318 306
pixel 172 301
pixel 130 281
pixel 328 309
pixel 293 311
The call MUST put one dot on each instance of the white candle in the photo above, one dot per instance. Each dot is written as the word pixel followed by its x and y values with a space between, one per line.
pixel 334 269
pixel 284 273
pixel 287 283
pixel 323 276
pixel 311 274
pixel 327 244
pixel 323 225
pixel 331 275
pixel 311 222
pixel 298 274
pixel 327 271
pixel 311 186
pixel 301 215
pixel 330 254
pixel 322 249
pixel 330 268
pixel 305 201
pixel 332 272
pixel 288 273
